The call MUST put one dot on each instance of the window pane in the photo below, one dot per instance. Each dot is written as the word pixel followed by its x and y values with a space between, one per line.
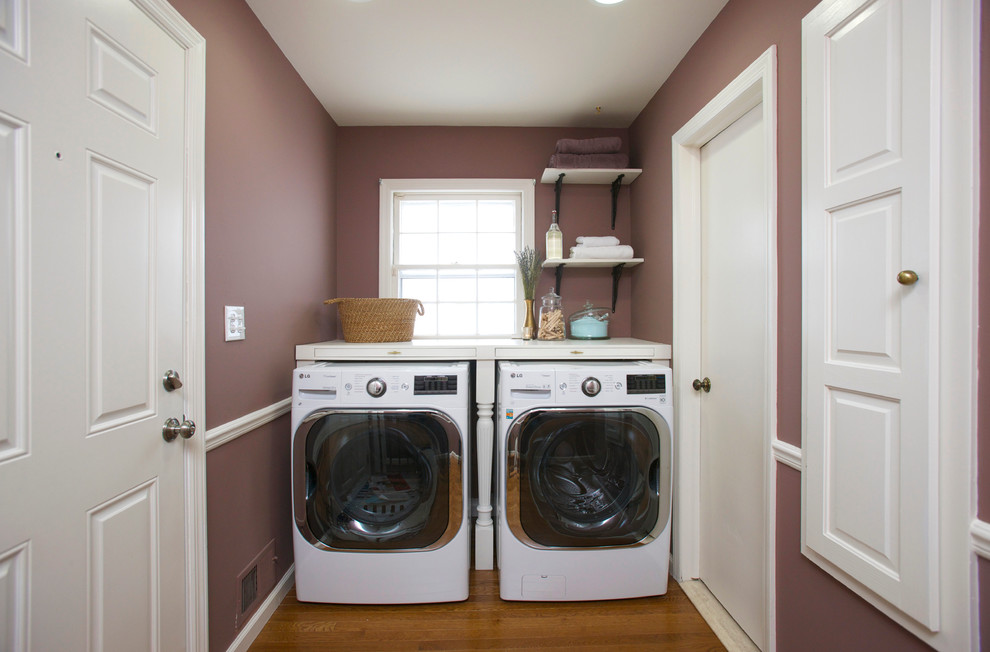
pixel 497 285
pixel 417 216
pixel 417 249
pixel 458 215
pixel 497 215
pixel 418 284
pixel 497 248
pixel 457 319
pixel 458 285
pixel 426 324
pixel 497 318
pixel 457 248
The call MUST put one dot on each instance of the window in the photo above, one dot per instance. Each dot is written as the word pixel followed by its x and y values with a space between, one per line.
pixel 450 243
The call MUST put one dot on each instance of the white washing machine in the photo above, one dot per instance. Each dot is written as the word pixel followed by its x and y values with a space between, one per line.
pixel 584 464
pixel 380 482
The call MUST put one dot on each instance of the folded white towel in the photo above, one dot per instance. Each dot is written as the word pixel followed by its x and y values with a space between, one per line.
pixel 616 251
pixel 597 241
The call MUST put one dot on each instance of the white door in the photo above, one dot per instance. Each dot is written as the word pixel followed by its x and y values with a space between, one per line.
pixel 870 298
pixel 732 558
pixel 92 128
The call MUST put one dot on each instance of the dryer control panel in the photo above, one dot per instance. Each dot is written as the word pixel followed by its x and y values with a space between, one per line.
pixel 386 385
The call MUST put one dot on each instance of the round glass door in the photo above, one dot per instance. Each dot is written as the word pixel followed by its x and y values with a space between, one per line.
pixel 587 477
pixel 384 480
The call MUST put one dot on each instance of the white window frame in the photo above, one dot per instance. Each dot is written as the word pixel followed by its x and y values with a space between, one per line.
pixel 389 188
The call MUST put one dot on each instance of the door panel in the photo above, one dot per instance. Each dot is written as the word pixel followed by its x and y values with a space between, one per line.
pixel 865 316
pixel 871 175
pixel 122 283
pixel 864 92
pixel 13 225
pixel 733 335
pixel 123 596
pixel 92 165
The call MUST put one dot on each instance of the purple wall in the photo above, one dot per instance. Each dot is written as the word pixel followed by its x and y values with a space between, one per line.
pixel 367 154
pixel 270 179
pixel 814 612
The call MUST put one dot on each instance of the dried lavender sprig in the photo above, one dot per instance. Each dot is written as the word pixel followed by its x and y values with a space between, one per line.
pixel 530 267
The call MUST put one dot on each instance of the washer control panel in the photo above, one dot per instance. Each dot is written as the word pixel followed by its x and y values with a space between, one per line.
pixel 611 386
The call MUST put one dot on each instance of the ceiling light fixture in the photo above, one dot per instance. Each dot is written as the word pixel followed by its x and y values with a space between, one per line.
pixel 608 2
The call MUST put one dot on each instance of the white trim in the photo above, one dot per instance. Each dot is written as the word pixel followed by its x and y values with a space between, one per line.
pixel 754 86
pixel 231 430
pixel 979 538
pixel 194 275
pixel 721 622
pixel 788 454
pixel 252 628
pixel 388 188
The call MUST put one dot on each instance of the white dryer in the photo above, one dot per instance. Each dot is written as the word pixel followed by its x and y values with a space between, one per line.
pixel 380 482
pixel 584 465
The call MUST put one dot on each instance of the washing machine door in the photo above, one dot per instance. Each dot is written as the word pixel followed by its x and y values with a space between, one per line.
pixel 580 478
pixel 378 480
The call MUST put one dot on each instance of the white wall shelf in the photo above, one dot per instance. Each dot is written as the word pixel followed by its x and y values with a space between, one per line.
pixel 596 176
pixel 617 265
pixel 616 177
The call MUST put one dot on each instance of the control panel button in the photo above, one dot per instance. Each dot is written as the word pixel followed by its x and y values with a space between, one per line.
pixel 591 386
pixel 376 387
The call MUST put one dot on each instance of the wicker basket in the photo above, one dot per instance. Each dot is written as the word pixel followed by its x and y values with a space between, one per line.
pixel 377 320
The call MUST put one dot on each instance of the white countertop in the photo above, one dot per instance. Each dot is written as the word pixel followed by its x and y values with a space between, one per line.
pixel 486 349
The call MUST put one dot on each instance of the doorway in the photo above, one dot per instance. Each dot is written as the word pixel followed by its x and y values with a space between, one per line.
pixel 724 241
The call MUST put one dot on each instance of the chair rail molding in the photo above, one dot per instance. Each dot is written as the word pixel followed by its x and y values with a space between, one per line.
pixel 231 430
pixel 979 538
pixel 788 454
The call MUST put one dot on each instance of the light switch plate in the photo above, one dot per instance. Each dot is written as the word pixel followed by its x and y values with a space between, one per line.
pixel 233 323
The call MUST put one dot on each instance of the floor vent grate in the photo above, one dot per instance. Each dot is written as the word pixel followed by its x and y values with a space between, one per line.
pixel 254 583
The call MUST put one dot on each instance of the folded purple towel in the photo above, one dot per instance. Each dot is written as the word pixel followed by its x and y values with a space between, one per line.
pixel 589 161
pixel 606 145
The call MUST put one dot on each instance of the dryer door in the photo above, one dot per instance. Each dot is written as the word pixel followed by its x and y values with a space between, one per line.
pixel 378 480
pixel 578 478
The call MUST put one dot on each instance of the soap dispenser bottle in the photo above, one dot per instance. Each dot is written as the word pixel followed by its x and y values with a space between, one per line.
pixel 555 239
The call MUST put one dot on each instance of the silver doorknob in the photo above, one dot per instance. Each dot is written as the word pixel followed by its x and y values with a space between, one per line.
pixel 173 429
pixel 171 380
pixel 907 277
pixel 705 384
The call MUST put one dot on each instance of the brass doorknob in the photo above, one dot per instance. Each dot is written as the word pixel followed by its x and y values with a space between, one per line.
pixel 705 385
pixel 907 277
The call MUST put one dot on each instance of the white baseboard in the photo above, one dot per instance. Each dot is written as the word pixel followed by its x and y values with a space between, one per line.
pixel 726 629
pixel 233 429
pixel 257 622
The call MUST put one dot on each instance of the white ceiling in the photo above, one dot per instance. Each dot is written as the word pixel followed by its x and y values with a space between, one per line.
pixel 532 63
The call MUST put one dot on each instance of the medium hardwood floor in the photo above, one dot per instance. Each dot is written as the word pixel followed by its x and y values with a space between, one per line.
pixel 486 622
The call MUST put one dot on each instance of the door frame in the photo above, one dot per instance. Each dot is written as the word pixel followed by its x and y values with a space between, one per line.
pixel 193 299
pixel 755 85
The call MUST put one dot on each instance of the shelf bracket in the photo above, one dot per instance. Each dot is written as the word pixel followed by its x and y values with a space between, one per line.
pixel 558 273
pixel 616 274
pixel 615 201
pixel 556 191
